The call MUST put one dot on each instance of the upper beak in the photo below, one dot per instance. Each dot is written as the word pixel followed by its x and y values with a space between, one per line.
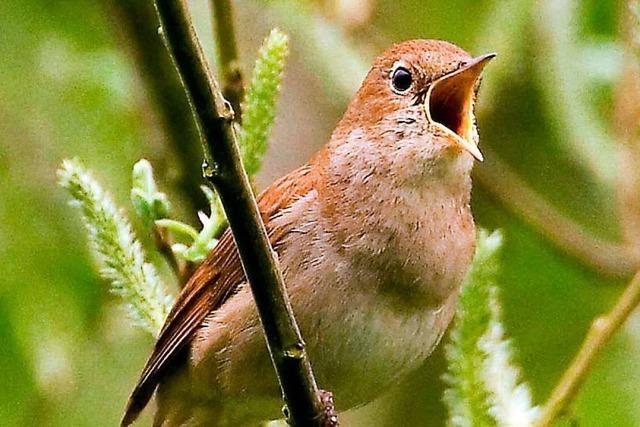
pixel 449 103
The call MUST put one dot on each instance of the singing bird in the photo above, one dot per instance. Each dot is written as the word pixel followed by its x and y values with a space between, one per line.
pixel 374 236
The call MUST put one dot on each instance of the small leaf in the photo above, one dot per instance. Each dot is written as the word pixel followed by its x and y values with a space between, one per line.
pixel 150 204
pixel 178 228
pixel 204 241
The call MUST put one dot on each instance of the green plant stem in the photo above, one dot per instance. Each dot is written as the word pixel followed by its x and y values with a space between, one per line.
pixel 163 244
pixel 223 168
pixel 182 269
pixel 227 50
pixel 602 330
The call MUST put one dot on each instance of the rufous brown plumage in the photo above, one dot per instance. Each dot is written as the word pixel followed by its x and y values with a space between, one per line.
pixel 374 236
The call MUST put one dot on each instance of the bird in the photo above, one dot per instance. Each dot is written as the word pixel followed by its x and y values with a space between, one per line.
pixel 374 236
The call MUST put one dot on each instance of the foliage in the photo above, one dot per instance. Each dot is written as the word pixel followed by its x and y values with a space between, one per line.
pixel 110 234
pixel 201 242
pixel 119 253
pixel 259 108
pixel 484 389
pixel 259 105
pixel 150 204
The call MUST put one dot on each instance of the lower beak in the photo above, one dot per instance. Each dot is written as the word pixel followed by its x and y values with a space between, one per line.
pixel 449 103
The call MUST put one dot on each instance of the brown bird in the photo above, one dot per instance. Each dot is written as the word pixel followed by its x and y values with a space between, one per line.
pixel 374 236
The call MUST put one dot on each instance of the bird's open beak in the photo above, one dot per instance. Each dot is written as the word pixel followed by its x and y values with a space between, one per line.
pixel 449 103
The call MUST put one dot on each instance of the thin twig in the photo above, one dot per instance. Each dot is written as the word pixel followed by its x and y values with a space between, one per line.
pixel 163 244
pixel 223 168
pixel 600 333
pixel 182 269
pixel 227 51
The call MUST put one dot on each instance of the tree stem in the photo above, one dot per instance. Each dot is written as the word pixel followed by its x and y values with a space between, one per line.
pixel 223 168
pixel 227 51
pixel 599 335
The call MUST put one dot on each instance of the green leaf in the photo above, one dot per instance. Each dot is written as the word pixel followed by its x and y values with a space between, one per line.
pixel 212 226
pixel 178 227
pixel 150 204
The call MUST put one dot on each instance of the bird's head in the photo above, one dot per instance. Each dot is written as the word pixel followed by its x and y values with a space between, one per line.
pixel 420 92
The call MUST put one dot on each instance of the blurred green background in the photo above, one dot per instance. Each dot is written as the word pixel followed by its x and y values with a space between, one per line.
pixel 556 115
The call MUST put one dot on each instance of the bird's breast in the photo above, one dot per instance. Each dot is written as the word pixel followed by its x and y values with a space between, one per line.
pixel 412 245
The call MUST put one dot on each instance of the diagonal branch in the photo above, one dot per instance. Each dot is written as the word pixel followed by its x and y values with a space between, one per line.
pixel 602 330
pixel 223 168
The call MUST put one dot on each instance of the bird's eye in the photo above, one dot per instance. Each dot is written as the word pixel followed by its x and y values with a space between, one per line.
pixel 401 79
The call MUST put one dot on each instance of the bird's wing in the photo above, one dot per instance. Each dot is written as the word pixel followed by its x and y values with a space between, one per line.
pixel 210 286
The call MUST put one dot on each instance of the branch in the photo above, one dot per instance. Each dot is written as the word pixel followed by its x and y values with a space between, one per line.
pixel 224 170
pixel 227 51
pixel 599 335
pixel 163 243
